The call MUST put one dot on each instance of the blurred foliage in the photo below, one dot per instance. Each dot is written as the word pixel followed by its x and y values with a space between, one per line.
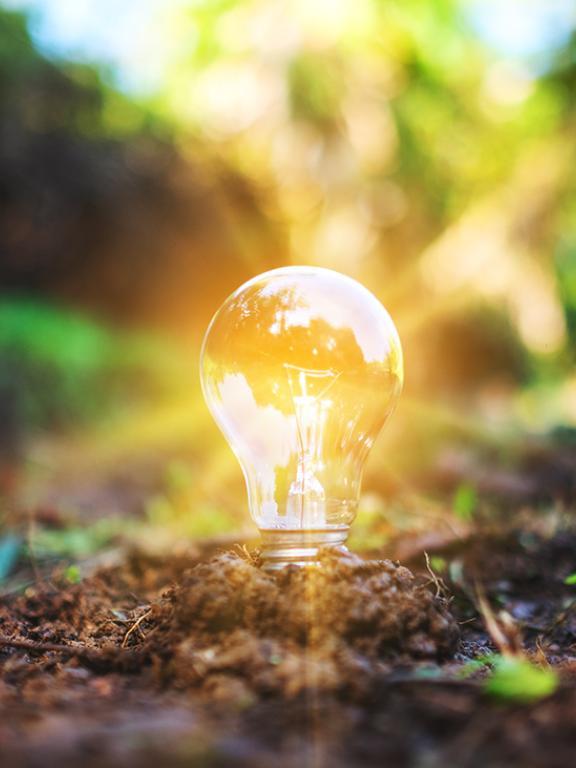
pixel 59 369
pixel 78 542
pixel 518 681
pixel 465 502
pixel 406 152
pixel 101 210
pixel 383 139
pixel 178 510
pixel 72 574
pixel 69 96
pixel 173 514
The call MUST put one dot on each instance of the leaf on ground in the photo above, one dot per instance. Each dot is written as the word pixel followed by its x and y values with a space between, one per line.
pixel 465 502
pixel 519 681
pixel 72 574
pixel 570 580
pixel 10 549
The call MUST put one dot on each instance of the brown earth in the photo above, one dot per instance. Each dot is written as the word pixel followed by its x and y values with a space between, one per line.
pixel 203 660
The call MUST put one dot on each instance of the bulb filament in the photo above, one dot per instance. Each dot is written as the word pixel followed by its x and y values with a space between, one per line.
pixel 307 497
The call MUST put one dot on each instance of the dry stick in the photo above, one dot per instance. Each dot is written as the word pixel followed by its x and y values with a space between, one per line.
pixel 503 631
pixel 436 580
pixel 245 553
pixel 135 626
pixel 80 652
pixel 560 618
pixel 32 645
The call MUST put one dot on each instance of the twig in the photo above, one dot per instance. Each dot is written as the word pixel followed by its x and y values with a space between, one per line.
pixel 246 554
pixel 98 658
pixel 33 645
pixel 441 589
pixel 560 618
pixel 135 626
pixel 503 631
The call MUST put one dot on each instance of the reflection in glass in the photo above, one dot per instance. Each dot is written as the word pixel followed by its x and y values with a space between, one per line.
pixel 301 368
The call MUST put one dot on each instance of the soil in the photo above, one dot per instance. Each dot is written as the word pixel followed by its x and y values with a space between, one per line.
pixel 202 659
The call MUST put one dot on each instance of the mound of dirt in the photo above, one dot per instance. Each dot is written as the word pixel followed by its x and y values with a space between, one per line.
pixel 235 632
pixel 329 627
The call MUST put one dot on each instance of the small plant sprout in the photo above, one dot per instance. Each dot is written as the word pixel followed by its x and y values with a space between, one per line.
pixel 518 680
pixel 72 574
pixel 465 502
pixel 514 678
pixel 300 368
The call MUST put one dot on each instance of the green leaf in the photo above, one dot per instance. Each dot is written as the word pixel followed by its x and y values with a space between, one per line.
pixel 10 548
pixel 570 580
pixel 519 681
pixel 79 541
pixel 438 564
pixel 72 574
pixel 465 502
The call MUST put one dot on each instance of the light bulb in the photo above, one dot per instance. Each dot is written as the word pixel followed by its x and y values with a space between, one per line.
pixel 300 368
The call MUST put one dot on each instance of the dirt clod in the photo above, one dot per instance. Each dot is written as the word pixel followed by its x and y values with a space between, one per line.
pixel 326 628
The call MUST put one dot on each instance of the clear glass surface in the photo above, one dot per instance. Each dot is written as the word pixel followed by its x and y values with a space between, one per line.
pixel 300 368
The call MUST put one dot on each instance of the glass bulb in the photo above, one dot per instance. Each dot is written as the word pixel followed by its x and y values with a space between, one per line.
pixel 300 368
